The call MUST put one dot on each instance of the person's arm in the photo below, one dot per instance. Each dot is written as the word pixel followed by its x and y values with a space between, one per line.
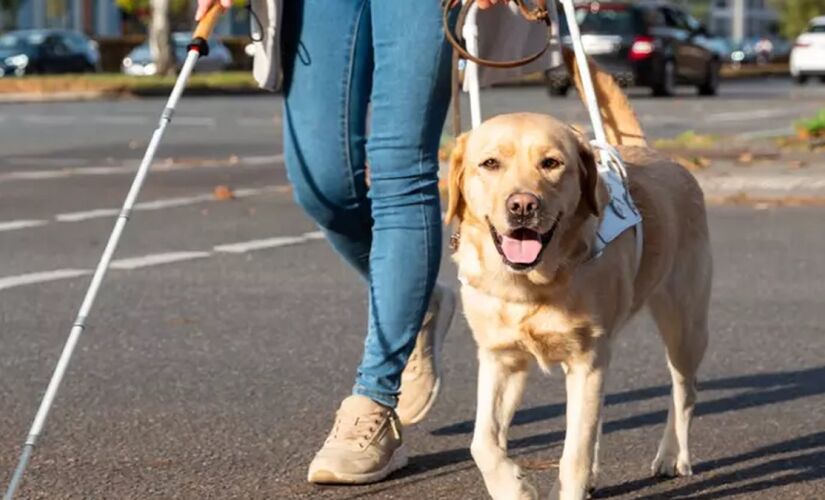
pixel 203 6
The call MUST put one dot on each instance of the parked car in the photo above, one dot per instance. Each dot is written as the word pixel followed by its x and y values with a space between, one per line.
pixel 139 62
pixel 761 50
pixel 26 52
pixel 808 54
pixel 648 43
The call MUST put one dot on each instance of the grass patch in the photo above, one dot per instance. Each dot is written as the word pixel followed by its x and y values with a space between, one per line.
pixel 813 127
pixel 119 83
pixel 754 70
pixel 687 140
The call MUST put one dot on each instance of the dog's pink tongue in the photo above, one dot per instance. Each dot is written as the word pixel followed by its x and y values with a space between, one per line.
pixel 520 251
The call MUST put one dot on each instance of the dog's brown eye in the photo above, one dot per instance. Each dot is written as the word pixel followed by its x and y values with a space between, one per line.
pixel 489 164
pixel 550 163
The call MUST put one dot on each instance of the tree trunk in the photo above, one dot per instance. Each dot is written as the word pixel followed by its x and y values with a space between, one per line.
pixel 160 38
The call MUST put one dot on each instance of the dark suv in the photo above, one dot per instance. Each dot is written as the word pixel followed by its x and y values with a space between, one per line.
pixel 648 43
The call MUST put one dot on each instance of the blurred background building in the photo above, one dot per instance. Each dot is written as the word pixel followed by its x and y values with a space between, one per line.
pixel 741 19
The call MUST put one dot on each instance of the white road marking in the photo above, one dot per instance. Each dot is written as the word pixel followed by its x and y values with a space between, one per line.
pixel 121 120
pixel 21 224
pixel 40 277
pixel 165 203
pixel 735 116
pixel 247 246
pixel 156 259
pixel 280 241
pixel 131 167
pixel 42 162
pixel 88 214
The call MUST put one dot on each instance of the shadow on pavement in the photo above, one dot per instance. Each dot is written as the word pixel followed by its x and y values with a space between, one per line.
pixel 805 458
pixel 802 459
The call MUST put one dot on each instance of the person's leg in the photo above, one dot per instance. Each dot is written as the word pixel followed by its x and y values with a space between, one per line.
pixel 410 97
pixel 328 68
pixel 327 81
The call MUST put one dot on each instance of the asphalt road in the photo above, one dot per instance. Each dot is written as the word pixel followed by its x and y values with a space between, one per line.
pixel 226 335
pixel 74 134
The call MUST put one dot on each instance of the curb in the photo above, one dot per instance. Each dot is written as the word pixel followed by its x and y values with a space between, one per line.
pixel 87 95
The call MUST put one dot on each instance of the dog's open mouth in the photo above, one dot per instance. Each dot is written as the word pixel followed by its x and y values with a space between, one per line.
pixel 521 248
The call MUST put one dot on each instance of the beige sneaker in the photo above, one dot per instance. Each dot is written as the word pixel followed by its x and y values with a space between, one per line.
pixel 421 379
pixel 364 445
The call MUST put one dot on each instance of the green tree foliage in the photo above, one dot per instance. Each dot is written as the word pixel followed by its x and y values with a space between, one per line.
pixel 795 14
pixel 141 8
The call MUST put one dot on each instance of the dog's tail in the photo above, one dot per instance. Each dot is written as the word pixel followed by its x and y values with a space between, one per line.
pixel 620 122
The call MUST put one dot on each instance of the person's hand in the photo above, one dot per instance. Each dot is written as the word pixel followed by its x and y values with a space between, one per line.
pixel 203 6
pixel 482 4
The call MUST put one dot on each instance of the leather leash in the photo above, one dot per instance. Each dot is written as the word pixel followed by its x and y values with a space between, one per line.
pixel 538 13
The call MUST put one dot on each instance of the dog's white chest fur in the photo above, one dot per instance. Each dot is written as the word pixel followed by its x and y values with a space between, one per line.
pixel 549 333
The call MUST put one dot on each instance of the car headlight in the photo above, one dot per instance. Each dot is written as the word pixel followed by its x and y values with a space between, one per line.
pixel 150 69
pixel 127 62
pixel 19 61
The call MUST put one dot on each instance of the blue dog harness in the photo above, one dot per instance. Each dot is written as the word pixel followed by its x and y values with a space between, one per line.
pixel 621 213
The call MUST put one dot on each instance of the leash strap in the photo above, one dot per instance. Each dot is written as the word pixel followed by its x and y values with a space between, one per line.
pixel 538 13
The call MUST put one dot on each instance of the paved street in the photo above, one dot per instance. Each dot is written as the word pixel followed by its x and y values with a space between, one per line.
pixel 227 331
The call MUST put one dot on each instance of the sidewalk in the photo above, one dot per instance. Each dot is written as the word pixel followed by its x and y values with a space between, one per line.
pixel 771 184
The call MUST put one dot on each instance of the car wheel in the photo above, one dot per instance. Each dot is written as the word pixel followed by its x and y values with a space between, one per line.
pixel 711 84
pixel 822 79
pixel 666 86
pixel 801 79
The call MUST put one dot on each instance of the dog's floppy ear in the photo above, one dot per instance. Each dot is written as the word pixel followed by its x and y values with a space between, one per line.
pixel 588 175
pixel 455 203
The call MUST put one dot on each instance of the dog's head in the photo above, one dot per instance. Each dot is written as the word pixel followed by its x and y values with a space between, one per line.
pixel 522 178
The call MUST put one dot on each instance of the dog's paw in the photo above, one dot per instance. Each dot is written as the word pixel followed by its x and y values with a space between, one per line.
pixel 511 484
pixel 670 466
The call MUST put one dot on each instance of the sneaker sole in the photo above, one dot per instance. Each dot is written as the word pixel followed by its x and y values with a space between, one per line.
pixel 446 315
pixel 398 461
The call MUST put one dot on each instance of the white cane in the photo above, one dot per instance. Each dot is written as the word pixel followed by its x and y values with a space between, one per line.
pixel 197 48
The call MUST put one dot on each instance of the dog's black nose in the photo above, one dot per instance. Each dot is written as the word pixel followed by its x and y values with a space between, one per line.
pixel 523 204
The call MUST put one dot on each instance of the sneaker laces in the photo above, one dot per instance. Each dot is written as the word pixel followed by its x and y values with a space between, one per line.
pixel 361 428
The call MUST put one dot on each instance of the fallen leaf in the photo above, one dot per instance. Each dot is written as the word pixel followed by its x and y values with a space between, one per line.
pixel 746 157
pixel 223 193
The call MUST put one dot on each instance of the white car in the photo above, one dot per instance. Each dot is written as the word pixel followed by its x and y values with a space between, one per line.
pixel 808 54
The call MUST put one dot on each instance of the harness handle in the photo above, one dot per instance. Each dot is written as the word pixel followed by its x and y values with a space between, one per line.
pixel 538 13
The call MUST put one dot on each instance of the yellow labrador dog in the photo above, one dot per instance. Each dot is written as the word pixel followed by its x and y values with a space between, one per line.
pixel 528 200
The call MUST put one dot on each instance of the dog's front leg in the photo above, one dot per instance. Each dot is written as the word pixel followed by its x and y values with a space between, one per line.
pixel 584 382
pixel 501 379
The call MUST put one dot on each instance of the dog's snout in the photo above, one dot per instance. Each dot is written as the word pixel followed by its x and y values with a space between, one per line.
pixel 523 204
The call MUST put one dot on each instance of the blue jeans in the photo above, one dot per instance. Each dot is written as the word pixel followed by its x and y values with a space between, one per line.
pixel 341 56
